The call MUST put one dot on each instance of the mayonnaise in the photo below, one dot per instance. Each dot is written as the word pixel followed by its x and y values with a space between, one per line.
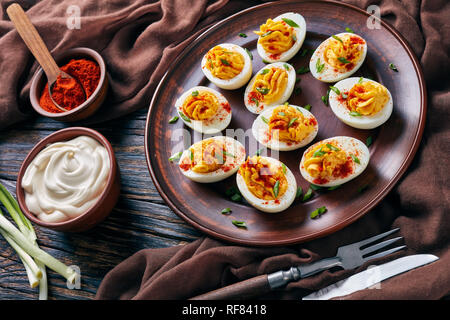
pixel 66 178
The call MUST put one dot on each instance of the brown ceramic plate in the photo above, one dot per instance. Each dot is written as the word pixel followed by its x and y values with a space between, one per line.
pixel 394 143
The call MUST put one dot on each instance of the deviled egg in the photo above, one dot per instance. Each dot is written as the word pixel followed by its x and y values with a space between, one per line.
pixel 285 127
pixel 228 66
pixel 212 159
pixel 204 110
pixel 281 38
pixel 271 86
pixel 338 57
pixel 361 103
pixel 266 184
pixel 334 161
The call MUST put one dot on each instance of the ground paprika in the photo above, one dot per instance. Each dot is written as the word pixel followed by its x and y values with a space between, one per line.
pixel 68 92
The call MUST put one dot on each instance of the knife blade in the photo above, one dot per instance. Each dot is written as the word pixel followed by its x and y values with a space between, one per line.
pixel 371 276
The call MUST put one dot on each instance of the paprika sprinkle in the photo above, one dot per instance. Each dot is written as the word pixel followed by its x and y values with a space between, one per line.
pixel 70 93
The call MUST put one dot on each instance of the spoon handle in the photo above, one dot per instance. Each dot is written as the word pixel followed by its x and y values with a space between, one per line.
pixel 33 41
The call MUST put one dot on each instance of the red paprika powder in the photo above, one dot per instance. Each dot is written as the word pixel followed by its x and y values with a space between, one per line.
pixel 69 93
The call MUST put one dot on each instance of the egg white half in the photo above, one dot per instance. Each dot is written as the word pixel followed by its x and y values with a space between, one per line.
pixel 361 122
pixel 351 146
pixel 258 108
pixel 232 162
pixel 272 206
pixel 238 81
pixel 260 130
pixel 214 125
pixel 299 32
pixel 328 74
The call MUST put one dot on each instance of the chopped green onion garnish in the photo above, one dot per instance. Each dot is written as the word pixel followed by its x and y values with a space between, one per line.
pixel 333 188
pixel 315 187
pixel 286 66
pixel 330 146
pixel 319 66
pixel 290 22
pixel 319 153
pixel 176 156
pixel 283 166
pixel 307 107
pixel 337 38
pixel 355 114
pixel 360 80
pixel 236 197
pixel 393 67
pixel 343 60
pixel 336 90
pixel 231 191
pixel 226 210
pixel 369 141
pixel 292 122
pixel 255 101
pixel 319 211
pixel 304 52
pixel 249 53
pixel 266 34
pixel 299 192
pixel 265 61
pixel 286 103
pixel 239 224
pixel 184 117
pixel 265 119
pixel 264 71
pixel 276 188
pixel 242 35
pixel 225 62
pixel 262 90
pixel 355 159
pixel 174 119
pixel 194 93
pixel 307 195
pixel 349 30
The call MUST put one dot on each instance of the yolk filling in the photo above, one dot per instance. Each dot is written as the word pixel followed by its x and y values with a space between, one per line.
pixel 289 125
pixel 224 64
pixel 207 156
pixel 276 37
pixel 343 52
pixel 270 85
pixel 367 98
pixel 202 106
pixel 265 180
pixel 326 161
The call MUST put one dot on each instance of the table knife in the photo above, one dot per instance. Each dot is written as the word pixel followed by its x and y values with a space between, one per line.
pixel 371 276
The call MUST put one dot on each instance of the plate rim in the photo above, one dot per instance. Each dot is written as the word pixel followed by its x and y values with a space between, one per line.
pixel 342 223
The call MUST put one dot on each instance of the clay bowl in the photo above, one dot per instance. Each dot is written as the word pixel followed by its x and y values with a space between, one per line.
pixel 88 107
pixel 104 205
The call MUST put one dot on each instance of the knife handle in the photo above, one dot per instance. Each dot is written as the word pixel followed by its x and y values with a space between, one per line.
pixel 242 290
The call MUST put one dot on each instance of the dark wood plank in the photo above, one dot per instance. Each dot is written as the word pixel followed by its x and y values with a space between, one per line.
pixel 140 219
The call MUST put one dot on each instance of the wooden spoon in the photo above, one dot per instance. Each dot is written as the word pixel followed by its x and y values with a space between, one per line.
pixel 34 42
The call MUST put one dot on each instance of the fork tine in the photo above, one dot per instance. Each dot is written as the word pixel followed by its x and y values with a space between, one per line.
pixel 379 245
pixel 384 253
pixel 375 238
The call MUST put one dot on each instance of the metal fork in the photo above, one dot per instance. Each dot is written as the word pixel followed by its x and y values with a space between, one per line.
pixel 347 257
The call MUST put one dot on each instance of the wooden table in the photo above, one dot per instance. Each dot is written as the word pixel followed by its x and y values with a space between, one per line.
pixel 140 219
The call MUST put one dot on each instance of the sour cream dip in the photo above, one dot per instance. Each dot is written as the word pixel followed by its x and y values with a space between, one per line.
pixel 66 178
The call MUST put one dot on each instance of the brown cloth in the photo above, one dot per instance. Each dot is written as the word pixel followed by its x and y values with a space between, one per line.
pixel 419 205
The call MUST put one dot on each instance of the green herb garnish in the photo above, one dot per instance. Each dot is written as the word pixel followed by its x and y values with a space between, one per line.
pixel 174 119
pixel 265 119
pixel 360 80
pixel 264 71
pixel 290 22
pixel 337 38
pixel 297 90
pixel 369 141
pixel 236 197
pixel 315 187
pixel 299 192
pixel 225 211
pixel 242 35
pixel 176 156
pixel 304 52
pixel 194 93
pixel 184 117
pixel 343 60
pixel 259 151
pixel 229 154
pixel 292 122
pixel 355 159
pixel 319 153
pixel 255 101
pixel 318 212
pixel 266 34
pixel 319 66
pixel 336 90
pixel 249 53
pixel 283 166
pixel 349 30
pixel 239 224
pixel 307 195
pixel 333 188
pixel 265 61
pixel 262 90
pixel 344 96
pixel 307 107
pixel 276 188
pixel 225 62
pixel 286 66
pixel 331 147
pixel 355 114
pixel 393 67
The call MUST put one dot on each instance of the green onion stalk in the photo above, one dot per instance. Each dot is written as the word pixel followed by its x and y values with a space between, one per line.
pixel 23 241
